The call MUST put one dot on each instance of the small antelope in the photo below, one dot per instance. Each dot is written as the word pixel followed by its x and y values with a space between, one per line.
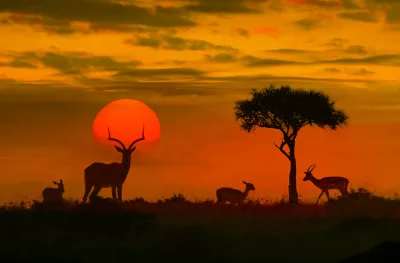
pixel 327 183
pixel 53 195
pixel 233 196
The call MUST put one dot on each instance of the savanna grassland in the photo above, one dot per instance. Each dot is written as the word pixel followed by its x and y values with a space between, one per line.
pixel 176 230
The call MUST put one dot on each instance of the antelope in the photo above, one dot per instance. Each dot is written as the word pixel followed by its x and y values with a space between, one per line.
pixel 104 175
pixel 233 196
pixel 327 183
pixel 53 195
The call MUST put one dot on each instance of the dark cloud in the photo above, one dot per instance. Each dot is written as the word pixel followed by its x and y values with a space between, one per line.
pixel 242 32
pixel 364 16
pixel 58 14
pixel 251 61
pixel 159 73
pixel 72 62
pixel 387 59
pixel 17 63
pixel 307 23
pixel 356 49
pixel 225 6
pixel 288 51
pixel 266 77
pixel 393 13
pixel 332 70
pixel 167 41
pixel 221 58
pixel 362 72
pixel 323 3
pixel 337 42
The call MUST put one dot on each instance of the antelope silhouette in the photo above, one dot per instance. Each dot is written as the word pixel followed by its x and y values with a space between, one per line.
pixel 54 195
pixel 233 196
pixel 104 175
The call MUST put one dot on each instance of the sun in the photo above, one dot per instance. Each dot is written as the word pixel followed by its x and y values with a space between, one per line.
pixel 126 118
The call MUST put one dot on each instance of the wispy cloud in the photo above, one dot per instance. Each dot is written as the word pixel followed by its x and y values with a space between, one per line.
pixel 308 23
pixel 171 42
pixel 221 58
pixel 69 62
pixel 58 15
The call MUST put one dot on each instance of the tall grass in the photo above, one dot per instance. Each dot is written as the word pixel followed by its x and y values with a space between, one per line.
pixel 177 230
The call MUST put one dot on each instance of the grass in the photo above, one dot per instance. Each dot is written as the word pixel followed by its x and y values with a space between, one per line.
pixel 176 230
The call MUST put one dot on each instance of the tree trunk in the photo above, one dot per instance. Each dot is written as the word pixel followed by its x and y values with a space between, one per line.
pixel 293 195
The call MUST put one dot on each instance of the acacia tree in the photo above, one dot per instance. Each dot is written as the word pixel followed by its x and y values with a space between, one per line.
pixel 288 110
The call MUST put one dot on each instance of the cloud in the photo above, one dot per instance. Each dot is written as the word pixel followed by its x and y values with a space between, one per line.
pixel 18 63
pixel 362 72
pixel 225 7
pixel 221 58
pixel 326 4
pixel 307 23
pixel 266 77
pixel 170 42
pixel 159 73
pixel 356 49
pixel 288 51
pixel 71 62
pixel 101 13
pixel 332 70
pixel 337 42
pixel 393 13
pixel 242 32
pixel 363 16
pixel 252 61
pixel 386 59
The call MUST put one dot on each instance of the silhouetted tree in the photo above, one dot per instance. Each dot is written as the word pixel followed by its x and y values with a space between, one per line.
pixel 288 110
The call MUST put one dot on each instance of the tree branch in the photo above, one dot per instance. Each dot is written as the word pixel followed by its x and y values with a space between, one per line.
pixel 283 143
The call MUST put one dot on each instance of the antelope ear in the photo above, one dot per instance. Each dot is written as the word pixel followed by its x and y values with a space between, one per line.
pixel 54 182
pixel 118 149
pixel 244 182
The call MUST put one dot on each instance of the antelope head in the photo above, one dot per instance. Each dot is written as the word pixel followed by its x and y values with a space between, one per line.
pixel 126 151
pixel 308 173
pixel 60 185
pixel 249 186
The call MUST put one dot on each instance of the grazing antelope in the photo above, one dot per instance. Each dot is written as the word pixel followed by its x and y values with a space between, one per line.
pixel 53 195
pixel 233 196
pixel 327 183
pixel 99 175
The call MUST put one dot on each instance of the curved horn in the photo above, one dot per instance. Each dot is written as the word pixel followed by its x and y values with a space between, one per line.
pixel 309 168
pixel 137 140
pixel 114 139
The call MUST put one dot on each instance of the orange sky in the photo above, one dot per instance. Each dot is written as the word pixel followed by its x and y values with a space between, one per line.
pixel 64 60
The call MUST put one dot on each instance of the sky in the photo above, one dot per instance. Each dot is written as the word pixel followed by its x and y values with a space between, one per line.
pixel 62 61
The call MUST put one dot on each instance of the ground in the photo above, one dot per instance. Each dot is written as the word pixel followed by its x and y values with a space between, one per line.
pixel 176 230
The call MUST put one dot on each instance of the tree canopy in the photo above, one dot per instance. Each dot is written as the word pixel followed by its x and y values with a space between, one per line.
pixel 288 110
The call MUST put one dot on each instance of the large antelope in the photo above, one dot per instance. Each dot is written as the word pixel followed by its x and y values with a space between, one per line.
pixel 53 195
pixel 327 183
pixel 233 196
pixel 99 175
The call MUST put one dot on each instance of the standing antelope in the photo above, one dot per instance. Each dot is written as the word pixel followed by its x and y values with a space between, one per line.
pixel 327 183
pixel 233 196
pixel 99 175
pixel 53 195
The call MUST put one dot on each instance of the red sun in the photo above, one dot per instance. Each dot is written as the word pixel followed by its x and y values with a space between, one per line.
pixel 126 118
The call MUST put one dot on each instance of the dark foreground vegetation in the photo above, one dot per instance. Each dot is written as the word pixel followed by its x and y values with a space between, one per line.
pixel 176 230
